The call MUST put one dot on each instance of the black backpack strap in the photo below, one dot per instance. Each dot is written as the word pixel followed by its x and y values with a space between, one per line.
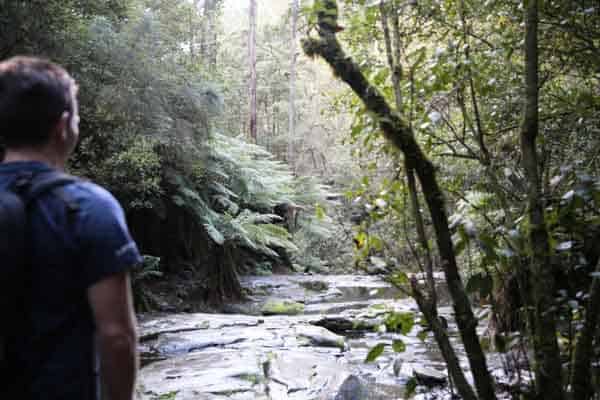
pixel 31 186
pixel 47 182
pixel 26 188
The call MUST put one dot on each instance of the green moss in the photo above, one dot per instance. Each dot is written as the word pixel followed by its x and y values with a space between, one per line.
pixel 282 307
pixel 252 378
pixel 316 286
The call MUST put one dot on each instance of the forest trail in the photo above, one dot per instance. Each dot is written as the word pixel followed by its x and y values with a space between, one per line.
pixel 245 355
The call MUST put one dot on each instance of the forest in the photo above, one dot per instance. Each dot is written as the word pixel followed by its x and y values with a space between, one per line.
pixel 351 199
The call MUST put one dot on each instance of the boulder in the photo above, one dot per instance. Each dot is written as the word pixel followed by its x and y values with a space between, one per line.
pixel 315 286
pixel 353 388
pixel 318 336
pixel 342 325
pixel 282 307
pixel 428 376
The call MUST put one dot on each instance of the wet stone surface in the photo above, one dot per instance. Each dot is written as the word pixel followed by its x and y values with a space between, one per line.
pixel 318 354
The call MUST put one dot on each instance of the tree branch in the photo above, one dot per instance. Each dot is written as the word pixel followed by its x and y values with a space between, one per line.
pixel 399 134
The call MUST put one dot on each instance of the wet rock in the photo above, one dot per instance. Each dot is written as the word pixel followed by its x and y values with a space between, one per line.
pixel 282 307
pixel 377 266
pixel 341 325
pixel 152 327
pixel 335 308
pixel 169 344
pixel 428 376
pixel 318 336
pixel 223 357
pixel 307 374
pixel 203 375
pixel 276 391
pixel 353 388
pixel 315 286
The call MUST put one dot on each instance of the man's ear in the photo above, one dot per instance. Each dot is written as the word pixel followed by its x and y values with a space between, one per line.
pixel 61 127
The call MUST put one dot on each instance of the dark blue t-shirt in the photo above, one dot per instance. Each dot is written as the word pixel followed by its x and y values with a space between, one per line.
pixel 56 357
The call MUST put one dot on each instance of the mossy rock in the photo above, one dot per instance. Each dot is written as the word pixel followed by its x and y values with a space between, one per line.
pixel 282 307
pixel 315 286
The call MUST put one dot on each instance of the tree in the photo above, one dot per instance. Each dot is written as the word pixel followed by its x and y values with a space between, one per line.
pixel 293 61
pixel 252 59
pixel 210 45
pixel 460 104
pixel 400 134
pixel 548 365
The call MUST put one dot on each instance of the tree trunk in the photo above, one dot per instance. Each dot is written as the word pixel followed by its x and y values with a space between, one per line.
pixel 292 102
pixel 393 52
pixel 427 305
pixel 401 136
pixel 211 8
pixel 581 376
pixel 547 355
pixel 582 372
pixel 252 58
pixel 223 277
pixel 441 337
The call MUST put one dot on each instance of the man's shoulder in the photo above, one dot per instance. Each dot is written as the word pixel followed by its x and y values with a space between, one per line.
pixel 92 196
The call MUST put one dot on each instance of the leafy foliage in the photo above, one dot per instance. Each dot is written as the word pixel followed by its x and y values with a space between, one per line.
pixel 375 352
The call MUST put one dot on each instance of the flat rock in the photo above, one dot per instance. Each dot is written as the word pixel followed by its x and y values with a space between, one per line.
pixel 342 325
pixel 319 336
pixel 429 376
pixel 151 327
pixel 282 307
pixel 201 375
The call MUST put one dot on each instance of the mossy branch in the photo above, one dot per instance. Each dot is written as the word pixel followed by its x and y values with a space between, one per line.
pixel 401 136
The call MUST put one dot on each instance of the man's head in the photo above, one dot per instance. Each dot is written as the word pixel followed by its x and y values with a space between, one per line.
pixel 38 107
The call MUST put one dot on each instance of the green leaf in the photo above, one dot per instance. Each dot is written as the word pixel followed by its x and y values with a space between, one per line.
pixel 400 322
pixel 399 279
pixel 320 212
pixel 398 346
pixel 460 246
pixel 375 352
pixel 411 387
pixel 407 321
pixel 422 335
pixel 168 396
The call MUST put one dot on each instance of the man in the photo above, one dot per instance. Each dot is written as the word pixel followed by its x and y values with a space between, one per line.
pixel 79 305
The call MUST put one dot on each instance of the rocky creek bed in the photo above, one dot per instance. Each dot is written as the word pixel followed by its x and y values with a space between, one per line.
pixel 317 353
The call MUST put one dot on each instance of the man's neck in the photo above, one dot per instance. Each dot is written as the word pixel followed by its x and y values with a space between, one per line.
pixel 55 161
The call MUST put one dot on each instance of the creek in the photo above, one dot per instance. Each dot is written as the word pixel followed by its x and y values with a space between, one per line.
pixel 318 353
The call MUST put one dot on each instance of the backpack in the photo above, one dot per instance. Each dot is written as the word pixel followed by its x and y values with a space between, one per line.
pixel 15 203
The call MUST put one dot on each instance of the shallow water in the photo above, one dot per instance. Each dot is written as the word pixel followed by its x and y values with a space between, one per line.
pixel 243 355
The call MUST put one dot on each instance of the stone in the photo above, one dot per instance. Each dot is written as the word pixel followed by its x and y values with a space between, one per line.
pixel 342 325
pixel 282 307
pixel 315 286
pixel 318 336
pixel 352 388
pixel 376 266
pixel 429 376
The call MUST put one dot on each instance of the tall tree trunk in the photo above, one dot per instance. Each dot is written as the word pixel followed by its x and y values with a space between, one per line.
pixel 582 371
pixel 211 8
pixel 252 58
pixel 204 28
pixel 547 355
pixel 401 136
pixel 292 101
pixel 393 49
pixel 192 38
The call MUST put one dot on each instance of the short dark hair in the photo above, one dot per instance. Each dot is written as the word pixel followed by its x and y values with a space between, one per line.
pixel 34 94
